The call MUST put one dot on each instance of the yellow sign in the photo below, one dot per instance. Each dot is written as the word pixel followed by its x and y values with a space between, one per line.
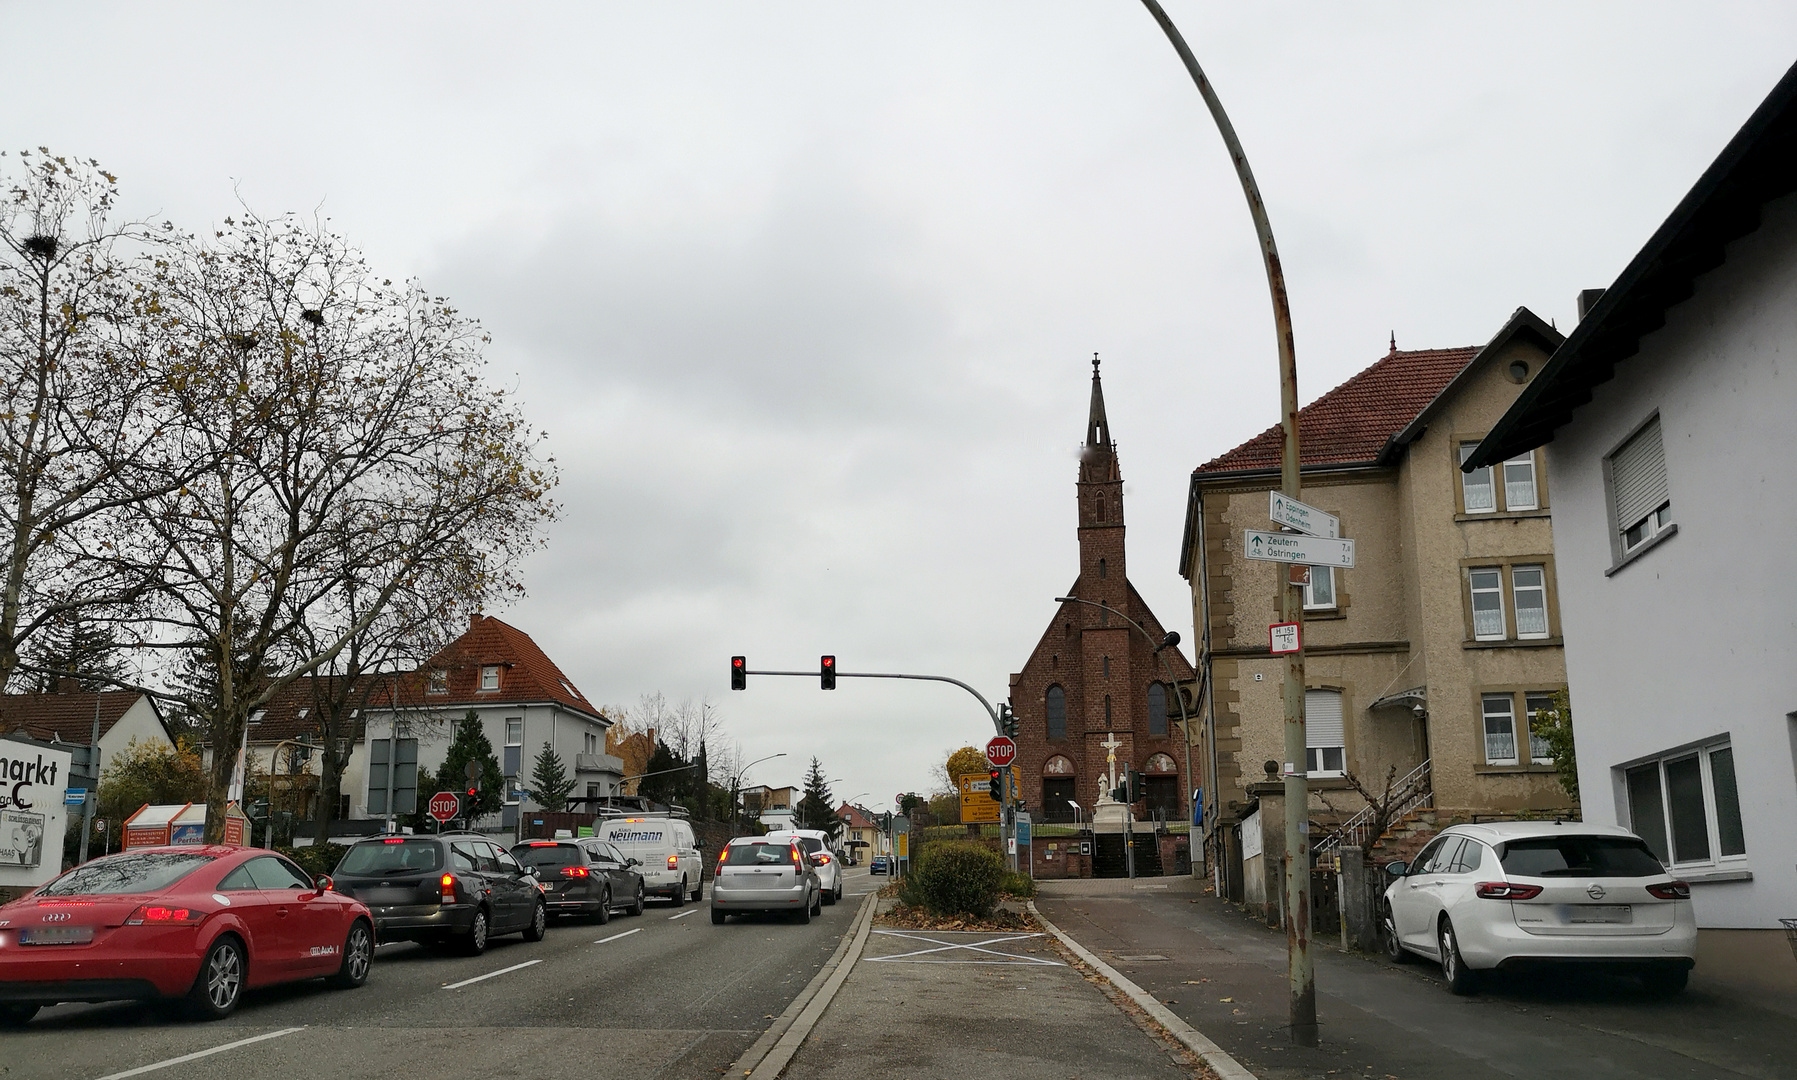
pixel 904 845
pixel 977 807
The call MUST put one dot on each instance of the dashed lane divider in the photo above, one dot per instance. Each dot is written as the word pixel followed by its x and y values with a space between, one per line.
pixel 490 974
pixel 683 914
pixel 198 1054
pixel 615 937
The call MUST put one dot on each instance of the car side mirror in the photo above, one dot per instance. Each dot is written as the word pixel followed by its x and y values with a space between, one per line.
pixel 633 862
pixel 323 882
pixel 1397 869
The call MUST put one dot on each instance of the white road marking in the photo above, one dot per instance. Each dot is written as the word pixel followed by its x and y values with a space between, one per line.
pixel 615 937
pixel 974 946
pixel 490 974
pixel 184 1058
pixel 683 914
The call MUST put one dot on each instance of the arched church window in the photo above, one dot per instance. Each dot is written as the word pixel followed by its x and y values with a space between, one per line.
pixel 1101 568
pixel 1098 507
pixel 1160 763
pixel 1107 667
pixel 1157 709
pixel 1107 710
pixel 1057 713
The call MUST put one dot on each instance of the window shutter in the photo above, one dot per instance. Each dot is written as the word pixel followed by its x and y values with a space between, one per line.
pixel 1638 476
pixel 1323 718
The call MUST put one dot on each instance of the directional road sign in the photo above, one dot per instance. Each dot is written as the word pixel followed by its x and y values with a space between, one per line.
pixel 1297 548
pixel 1001 750
pixel 1303 517
pixel 74 796
pixel 444 805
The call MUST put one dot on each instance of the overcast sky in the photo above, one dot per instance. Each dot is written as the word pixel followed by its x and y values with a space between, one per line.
pixel 805 294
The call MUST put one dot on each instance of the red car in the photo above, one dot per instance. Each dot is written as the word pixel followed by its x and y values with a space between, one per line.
pixel 195 923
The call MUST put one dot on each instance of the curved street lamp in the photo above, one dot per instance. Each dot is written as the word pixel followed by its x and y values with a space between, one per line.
pixel 736 780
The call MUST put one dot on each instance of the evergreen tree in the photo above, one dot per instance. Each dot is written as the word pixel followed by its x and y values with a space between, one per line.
pixel 670 780
pixel 471 744
pixel 817 809
pixel 549 781
pixel 76 648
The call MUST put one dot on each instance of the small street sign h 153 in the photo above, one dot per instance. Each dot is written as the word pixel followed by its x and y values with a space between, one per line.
pixel 1283 637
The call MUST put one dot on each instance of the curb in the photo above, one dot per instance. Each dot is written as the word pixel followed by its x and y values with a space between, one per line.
pixel 770 1054
pixel 1226 1067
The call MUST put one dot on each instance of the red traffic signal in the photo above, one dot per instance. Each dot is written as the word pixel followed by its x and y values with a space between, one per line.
pixel 995 784
pixel 739 673
pixel 473 792
pixel 827 672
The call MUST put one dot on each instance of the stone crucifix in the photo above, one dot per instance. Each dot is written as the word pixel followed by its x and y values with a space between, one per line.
pixel 1110 744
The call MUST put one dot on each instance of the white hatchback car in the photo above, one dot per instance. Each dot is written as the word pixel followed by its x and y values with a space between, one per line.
pixel 1518 894
pixel 816 845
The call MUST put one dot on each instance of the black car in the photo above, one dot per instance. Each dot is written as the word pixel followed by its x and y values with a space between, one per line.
pixel 453 888
pixel 588 878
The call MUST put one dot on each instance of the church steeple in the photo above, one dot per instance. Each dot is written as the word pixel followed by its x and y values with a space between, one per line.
pixel 1100 490
pixel 1098 429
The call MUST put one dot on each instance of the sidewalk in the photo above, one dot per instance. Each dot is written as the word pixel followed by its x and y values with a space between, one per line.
pixel 920 1005
pixel 1224 974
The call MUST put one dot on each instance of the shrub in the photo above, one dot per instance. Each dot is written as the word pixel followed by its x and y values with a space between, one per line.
pixel 957 877
pixel 1017 883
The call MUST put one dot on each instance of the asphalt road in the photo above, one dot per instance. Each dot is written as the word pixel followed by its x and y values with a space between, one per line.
pixel 665 994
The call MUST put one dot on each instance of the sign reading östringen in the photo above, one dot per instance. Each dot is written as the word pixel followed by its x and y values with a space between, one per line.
pixel 1298 548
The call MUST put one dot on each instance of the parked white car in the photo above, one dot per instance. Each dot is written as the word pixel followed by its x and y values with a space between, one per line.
pixel 816 844
pixel 665 849
pixel 1520 894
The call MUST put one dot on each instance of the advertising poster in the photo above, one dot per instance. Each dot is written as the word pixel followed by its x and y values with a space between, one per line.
pixel 34 780
pixel 21 838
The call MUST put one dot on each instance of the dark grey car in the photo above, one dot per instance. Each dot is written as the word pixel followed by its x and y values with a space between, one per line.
pixel 456 888
pixel 585 879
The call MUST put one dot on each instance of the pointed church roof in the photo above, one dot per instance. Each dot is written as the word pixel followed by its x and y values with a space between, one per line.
pixel 1098 429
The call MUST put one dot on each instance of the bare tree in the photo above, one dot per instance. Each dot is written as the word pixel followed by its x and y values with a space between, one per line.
pixel 356 453
pixel 80 405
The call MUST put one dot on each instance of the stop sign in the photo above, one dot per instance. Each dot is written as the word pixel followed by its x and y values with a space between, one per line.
pixel 1001 751
pixel 444 805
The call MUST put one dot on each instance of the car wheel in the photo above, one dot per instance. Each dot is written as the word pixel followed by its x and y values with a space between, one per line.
pixel 358 957
pixel 14 1015
pixel 838 888
pixel 817 903
pixel 1665 981
pixel 680 894
pixel 603 915
pixel 1388 937
pixel 717 917
pixel 219 988
pixel 474 942
pixel 805 912
pixel 699 891
pixel 1461 979
pixel 636 907
pixel 539 924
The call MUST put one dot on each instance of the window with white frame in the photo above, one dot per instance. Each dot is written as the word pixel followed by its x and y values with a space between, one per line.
pixel 1534 705
pixel 489 677
pixel 1638 493
pixel 1528 590
pixel 439 682
pixel 1326 754
pixel 1519 483
pixel 1500 729
pixel 514 731
pixel 1686 806
pixel 1487 586
pixel 1320 593
pixel 1476 489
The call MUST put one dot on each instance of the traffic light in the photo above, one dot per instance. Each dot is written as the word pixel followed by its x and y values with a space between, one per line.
pixel 739 673
pixel 1007 720
pixel 995 784
pixel 827 672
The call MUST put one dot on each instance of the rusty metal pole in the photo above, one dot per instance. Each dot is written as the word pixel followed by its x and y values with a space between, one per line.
pixel 1302 975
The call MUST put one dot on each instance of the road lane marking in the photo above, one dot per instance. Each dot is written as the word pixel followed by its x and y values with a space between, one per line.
pixel 490 974
pixel 683 914
pixel 184 1058
pixel 615 937
pixel 975 947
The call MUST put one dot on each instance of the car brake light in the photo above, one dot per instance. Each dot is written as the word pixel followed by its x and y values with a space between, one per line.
pixel 673 862
pixel 156 913
pixel 395 840
pixel 1505 890
pixel 448 889
pixel 796 857
pixel 542 843
pixel 1671 890
pixel 822 859
pixel 575 871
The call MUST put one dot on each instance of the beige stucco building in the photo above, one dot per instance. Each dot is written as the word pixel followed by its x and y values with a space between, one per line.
pixel 1424 661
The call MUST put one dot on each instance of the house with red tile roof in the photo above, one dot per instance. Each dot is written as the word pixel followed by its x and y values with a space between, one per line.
pixel 861 835
pixel 524 701
pixel 1425 660
pixel 68 715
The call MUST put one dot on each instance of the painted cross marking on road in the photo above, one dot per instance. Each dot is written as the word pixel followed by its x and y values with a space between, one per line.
pixel 972 946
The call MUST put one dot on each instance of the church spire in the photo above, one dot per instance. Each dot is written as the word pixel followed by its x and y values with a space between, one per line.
pixel 1098 429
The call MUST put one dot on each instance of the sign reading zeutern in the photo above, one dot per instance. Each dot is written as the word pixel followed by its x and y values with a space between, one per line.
pixel 444 805
pixel 1001 750
pixel 1297 548
pixel 1287 511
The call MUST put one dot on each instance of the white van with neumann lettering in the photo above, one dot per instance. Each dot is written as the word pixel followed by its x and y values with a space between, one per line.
pixel 664 849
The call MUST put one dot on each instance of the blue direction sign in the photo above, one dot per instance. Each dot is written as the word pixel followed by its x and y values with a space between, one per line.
pixel 74 796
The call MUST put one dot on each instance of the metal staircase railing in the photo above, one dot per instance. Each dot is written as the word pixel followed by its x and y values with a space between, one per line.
pixel 1413 791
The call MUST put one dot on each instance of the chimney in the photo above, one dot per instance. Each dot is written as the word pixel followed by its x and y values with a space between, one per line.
pixel 1588 299
pixel 68 684
pixel 473 620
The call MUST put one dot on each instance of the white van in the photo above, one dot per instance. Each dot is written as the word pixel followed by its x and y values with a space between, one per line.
pixel 665 849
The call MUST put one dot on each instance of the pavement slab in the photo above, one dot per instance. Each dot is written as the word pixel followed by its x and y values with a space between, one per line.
pixel 1224 973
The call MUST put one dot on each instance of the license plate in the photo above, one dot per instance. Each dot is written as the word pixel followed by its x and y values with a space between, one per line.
pixel 56 935
pixel 1600 913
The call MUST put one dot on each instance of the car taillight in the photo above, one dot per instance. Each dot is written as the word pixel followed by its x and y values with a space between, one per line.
pixel 1671 890
pixel 722 859
pixel 673 862
pixel 797 859
pixel 161 915
pixel 822 859
pixel 1506 890
pixel 447 884
pixel 574 871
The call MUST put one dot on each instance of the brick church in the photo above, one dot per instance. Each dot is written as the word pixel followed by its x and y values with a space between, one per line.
pixel 1093 678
